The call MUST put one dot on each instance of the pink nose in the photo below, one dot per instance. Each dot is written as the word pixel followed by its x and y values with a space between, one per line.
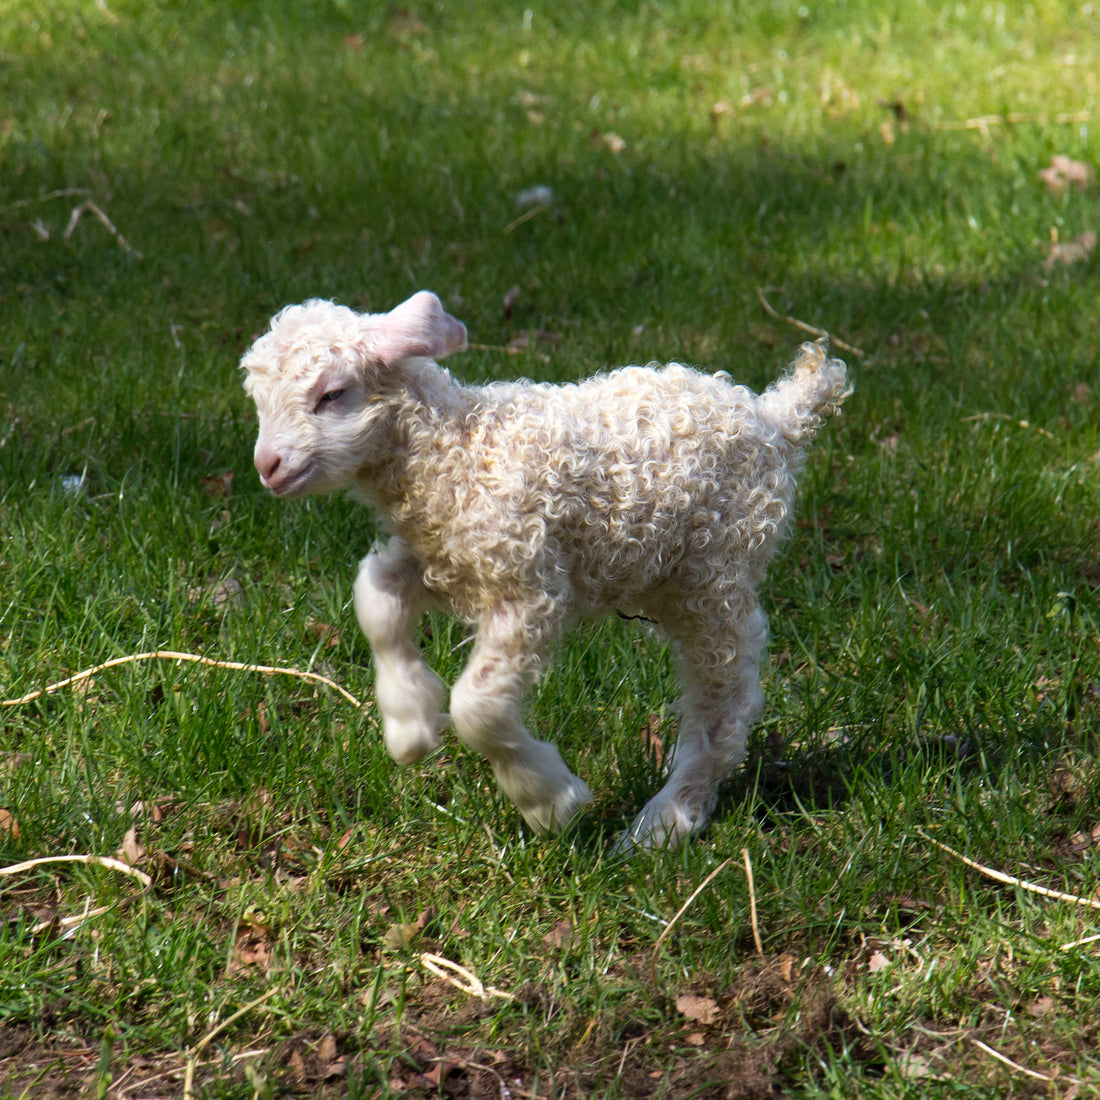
pixel 267 462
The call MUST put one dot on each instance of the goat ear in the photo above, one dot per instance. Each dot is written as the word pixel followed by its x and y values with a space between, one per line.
pixel 419 326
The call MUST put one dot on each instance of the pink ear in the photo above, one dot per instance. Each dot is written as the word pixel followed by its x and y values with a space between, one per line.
pixel 419 326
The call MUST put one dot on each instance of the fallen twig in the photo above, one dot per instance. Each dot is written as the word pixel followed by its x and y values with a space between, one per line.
pixel 812 330
pixel 470 982
pixel 88 420
pixel 196 1050
pixel 98 861
pixel 506 1090
pixel 505 348
pixel 171 655
pixel 1014 1065
pixel 1014 118
pixel 1012 880
pixel 694 894
pixel 1080 943
pixel 64 193
pixel 145 1082
pixel 89 207
pixel 533 212
pixel 70 924
pixel 1010 419
pixel 752 903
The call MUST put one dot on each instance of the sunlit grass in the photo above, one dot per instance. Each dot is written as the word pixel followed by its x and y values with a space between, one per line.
pixel 935 657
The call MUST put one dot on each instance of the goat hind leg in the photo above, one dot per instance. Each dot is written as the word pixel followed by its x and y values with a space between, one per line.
pixel 720 700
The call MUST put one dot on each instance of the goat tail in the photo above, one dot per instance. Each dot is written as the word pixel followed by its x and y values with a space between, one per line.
pixel 814 387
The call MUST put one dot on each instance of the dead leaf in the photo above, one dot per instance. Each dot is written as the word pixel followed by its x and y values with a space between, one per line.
pixel 219 521
pixel 9 761
pixel 652 740
pixel 510 300
pixel 1085 839
pixel 297 1069
pixel 703 1010
pixel 8 824
pixel 222 594
pixel 877 962
pixel 435 1075
pixel 398 936
pixel 720 109
pixel 1064 172
pixel 915 1066
pixel 131 851
pixel 537 336
pixel 404 22
pixel 1070 252
pixel 897 109
pixel 423 1050
pixel 526 98
pixel 1070 782
pixel 786 968
pixel 561 935
pixel 326 1049
pixel 252 948
pixel 227 593
pixel 609 140
pixel 154 811
pixel 328 635
pixel 218 485
pixel 695 1039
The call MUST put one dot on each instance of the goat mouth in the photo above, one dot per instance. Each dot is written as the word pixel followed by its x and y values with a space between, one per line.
pixel 293 484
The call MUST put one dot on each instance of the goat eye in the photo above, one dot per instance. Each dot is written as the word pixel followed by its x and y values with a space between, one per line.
pixel 329 397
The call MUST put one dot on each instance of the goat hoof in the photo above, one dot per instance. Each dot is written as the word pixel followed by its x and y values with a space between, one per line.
pixel 554 816
pixel 661 824
pixel 409 741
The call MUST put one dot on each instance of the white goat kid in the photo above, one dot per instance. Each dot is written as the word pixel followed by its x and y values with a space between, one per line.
pixel 521 507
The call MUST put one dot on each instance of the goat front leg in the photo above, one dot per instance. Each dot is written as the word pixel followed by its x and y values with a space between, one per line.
pixel 389 598
pixel 486 710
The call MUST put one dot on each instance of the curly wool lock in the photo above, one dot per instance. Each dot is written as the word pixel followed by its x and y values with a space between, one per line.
pixel 655 491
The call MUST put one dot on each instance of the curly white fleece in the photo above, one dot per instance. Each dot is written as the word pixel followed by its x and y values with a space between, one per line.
pixel 522 507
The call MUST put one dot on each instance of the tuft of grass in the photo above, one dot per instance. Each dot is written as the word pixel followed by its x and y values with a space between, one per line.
pixel 935 657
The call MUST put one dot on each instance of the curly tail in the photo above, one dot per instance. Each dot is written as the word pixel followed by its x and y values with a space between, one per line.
pixel 815 386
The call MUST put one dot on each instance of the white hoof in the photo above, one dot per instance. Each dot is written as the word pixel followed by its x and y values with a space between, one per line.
pixel 412 740
pixel 555 815
pixel 663 823
pixel 412 713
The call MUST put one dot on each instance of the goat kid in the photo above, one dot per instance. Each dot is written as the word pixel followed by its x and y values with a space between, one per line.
pixel 523 507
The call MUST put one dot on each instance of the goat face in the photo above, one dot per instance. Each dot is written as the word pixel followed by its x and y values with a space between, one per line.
pixel 320 380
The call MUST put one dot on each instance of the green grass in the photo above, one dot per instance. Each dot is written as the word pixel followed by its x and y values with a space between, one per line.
pixel 935 656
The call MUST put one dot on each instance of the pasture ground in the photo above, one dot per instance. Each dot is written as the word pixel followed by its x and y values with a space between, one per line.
pixel 173 173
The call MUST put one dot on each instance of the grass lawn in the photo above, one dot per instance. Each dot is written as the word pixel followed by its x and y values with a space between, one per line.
pixel 172 173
